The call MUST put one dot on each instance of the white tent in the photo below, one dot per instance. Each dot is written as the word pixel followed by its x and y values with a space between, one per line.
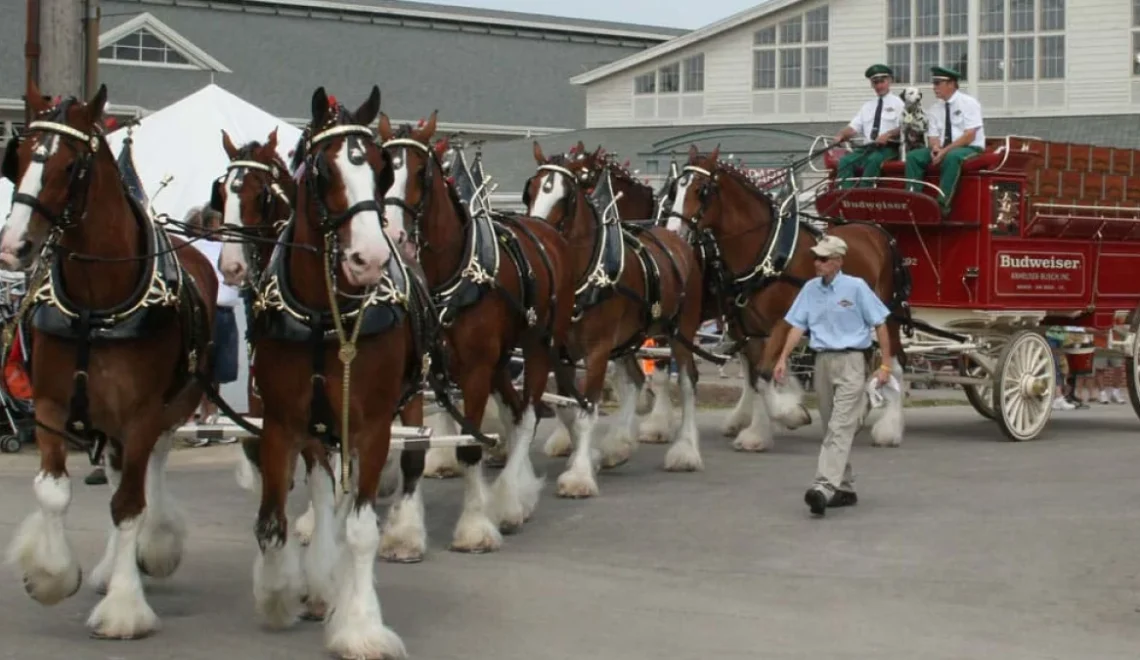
pixel 184 141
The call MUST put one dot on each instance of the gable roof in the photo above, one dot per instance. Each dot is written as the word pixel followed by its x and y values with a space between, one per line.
pixel 761 10
pixel 184 46
pixel 490 17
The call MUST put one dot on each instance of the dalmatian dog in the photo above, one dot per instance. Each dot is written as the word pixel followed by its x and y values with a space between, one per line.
pixel 913 125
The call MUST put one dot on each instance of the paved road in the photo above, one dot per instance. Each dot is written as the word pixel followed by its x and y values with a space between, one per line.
pixel 962 546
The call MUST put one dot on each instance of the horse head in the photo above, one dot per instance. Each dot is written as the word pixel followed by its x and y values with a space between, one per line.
pixel 556 192
pixel 255 198
pixel 345 174
pixel 52 168
pixel 415 170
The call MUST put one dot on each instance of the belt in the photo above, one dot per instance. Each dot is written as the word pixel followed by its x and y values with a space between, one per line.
pixel 843 350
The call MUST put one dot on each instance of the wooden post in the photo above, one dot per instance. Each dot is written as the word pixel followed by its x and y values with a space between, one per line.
pixel 91 56
pixel 62 48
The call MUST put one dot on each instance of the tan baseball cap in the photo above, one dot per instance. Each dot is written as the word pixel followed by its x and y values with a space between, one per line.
pixel 830 246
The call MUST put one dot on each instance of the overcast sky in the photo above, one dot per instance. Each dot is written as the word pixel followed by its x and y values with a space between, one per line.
pixel 687 14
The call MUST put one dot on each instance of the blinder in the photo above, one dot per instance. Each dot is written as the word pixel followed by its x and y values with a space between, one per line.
pixel 526 191
pixel 216 202
pixel 11 166
pixel 385 177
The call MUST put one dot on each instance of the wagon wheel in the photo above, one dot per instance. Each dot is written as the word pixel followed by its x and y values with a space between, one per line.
pixel 981 396
pixel 1132 362
pixel 1024 380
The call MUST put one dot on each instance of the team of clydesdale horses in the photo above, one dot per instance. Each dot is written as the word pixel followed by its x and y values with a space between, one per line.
pixel 367 274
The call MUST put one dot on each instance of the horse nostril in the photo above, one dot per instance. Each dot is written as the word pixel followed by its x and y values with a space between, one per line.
pixel 357 260
pixel 25 250
pixel 402 237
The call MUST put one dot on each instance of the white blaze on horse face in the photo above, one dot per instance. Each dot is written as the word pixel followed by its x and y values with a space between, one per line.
pixel 232 262
pixel 14 236
pixel 550 193
pixel 397 218
pixel 367 251
pixel 674 223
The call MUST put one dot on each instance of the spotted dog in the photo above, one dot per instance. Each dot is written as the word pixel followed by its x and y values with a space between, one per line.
pixel 913 126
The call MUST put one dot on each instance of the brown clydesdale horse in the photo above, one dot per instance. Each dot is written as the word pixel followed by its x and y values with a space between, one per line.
pixel 122 347
pixel 334 293
pixel 256 197
pixel 768 259
pixel 629 284
pixel 498 284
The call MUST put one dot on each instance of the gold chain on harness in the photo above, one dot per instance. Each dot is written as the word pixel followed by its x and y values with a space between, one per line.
pixel 346 354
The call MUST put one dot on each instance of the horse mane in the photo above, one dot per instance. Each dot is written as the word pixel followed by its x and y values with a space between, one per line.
pixel 620 172
pixel 747 182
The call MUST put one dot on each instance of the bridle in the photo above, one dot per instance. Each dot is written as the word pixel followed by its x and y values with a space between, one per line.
pixel 77 187
pixel 316 175
pixel 272 192
pixel 569 201
pixel 417 213
pixel 704 196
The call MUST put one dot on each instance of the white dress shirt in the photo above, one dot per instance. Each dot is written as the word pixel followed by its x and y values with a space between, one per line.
pixel 864 121
pixel 965 113
pixel 227 295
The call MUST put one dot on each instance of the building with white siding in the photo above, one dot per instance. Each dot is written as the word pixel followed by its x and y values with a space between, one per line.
pixel 762 83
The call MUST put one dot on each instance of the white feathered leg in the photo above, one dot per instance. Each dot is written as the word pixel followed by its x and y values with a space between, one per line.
pixel 657 428
pixel 40 547
pixel 124 613
pixel 278 580
pixel 320 557
pixel 757 436
pixel 741 415
pixel 558 444
pixel 786 402
pixel 101 576
pixel 621 440
pixel 685 454
pixel 355 628
pixel 441 463
pixel 515 493
pixel 162 533
pixel 578 480
pixel 888 430
pixel 405 534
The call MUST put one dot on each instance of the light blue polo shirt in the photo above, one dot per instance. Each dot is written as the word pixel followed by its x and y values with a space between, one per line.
pixel 839 315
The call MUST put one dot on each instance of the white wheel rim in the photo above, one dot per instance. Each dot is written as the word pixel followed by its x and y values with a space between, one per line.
pixel 1026 386
pixel 975 370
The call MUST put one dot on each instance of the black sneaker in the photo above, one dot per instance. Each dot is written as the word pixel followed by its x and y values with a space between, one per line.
pixel 843 498
pixel 96 478
pixel 817 500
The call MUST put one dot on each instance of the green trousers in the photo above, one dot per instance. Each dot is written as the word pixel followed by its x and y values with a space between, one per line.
pixel 919 160
pixel 871 159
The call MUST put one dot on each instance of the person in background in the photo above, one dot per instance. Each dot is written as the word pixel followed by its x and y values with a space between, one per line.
pixel 201 223
pixel 877 122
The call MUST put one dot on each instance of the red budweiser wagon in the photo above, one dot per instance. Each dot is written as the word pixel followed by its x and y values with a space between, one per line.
pixel 1039 234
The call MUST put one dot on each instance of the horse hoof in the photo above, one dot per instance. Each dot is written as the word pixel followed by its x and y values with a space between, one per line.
pixel 398 558
pixel 314 611
pixel 95 634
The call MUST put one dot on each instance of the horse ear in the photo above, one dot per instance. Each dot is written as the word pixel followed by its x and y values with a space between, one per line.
pixel 272 143
pixel 714 155
pixel 96 105
pixel 366 113
pixel 429 128
pixel 35 97
pixel 538 156
pixel 228 145
pixel 693 154
pixel 385 127
pixel 320 106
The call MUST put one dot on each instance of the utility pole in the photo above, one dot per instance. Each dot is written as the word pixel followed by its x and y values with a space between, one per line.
pixel 62 47
pixel 91 56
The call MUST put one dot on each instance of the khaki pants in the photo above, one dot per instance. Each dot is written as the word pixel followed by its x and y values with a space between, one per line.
pixel 840 379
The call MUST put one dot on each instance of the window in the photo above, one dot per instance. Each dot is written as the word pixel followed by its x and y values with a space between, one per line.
pixel 694 70
pixel 1136 37
pixel 645 84
pixel 1022 40
pixel 687 75
pixel 142 46
pixel 792 54
pixel 926 33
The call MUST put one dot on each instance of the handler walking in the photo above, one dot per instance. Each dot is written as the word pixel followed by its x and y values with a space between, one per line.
pixel 839 312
